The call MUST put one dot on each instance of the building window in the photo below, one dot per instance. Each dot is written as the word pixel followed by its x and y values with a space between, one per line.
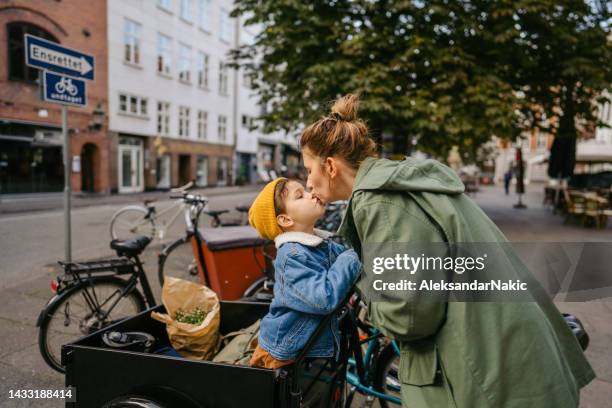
pixel 164 54
pixel 202 68
pixel 133 104
pixel 186 10
pixel 248 122
pixel 223 76
pixel 225 27
pixel 184 63
pixel 204 14
pixel 17 69
pixel 247 80
pixel 222 128
pixel 163 118
pixel 184 113
pixel 604 112
pixel 202 124
pixel 202 171
pixel 131 40
pixel 165 4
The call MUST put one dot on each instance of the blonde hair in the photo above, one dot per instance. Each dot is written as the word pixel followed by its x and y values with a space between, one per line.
pixel 340 134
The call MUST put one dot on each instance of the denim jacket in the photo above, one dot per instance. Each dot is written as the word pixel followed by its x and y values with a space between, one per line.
pixel 312 277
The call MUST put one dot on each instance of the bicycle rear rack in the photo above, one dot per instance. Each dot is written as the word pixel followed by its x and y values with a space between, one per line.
pixel 118 265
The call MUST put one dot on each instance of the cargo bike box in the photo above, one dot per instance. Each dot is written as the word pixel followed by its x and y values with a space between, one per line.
pixel 107 377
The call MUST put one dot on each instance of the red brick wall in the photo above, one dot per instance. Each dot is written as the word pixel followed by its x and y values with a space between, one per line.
pixel 77 24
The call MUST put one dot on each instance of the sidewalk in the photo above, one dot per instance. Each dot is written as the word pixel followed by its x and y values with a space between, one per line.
pixel 18 203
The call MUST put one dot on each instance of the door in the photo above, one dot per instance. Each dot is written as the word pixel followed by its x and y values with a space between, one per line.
pixel 202 172
pixel 87 168
pixel 222 172
pixel 184 169
pixel 163 171
pixel 130 169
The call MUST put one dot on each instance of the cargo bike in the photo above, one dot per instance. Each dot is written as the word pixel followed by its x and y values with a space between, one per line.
pixel 104 376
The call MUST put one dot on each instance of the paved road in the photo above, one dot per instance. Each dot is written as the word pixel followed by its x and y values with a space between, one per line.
pixel 31 243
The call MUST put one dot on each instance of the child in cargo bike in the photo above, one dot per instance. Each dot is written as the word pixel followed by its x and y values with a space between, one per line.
pixel 313 274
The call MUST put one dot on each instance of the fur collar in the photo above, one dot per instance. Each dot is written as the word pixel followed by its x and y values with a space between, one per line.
pixel 303 238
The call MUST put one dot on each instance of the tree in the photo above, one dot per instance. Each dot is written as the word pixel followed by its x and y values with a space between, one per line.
pixel 435 72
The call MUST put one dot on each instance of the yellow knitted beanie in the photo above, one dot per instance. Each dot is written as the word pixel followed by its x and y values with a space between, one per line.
pixel 262 215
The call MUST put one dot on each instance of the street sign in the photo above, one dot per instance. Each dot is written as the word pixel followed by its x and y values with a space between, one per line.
pixel 51 56
pixel 62 89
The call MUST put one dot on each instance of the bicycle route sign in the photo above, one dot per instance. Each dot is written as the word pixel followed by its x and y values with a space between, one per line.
pixel 62 89
pixel 51 56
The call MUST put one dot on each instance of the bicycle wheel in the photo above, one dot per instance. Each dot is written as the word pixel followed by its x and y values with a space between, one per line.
pixel 74 315
pixel 386 375
pixel 177 260
pixel 132 222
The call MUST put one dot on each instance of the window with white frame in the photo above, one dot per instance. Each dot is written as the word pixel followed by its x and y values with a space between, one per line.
pixel 165 4
pixel 202 124
pixel 225 26
pixel 131 41
pixel 204 11
pixel 163 118
pixel 222 128
pixel 186 10
pixel 183 130
pixel 133 104
pixel 164 54
pixel 247 79
pixel 202 69
pixel 223 78
pixel 184 63
pixel 248 122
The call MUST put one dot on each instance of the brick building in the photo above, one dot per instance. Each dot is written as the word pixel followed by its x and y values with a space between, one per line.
pixel 30 129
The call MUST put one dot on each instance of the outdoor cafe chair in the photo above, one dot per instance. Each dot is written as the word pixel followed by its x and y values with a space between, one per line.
pixel 572 208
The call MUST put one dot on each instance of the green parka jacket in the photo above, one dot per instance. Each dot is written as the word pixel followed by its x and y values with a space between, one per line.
pixel 460 354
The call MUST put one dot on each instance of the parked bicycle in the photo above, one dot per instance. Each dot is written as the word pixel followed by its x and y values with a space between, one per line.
pixel 137 220
pixel 202 255
pixel 145 220
pixel 217 221
pixel 333 216
pixel 92 295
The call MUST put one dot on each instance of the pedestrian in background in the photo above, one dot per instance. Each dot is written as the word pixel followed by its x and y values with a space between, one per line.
pixel 508 178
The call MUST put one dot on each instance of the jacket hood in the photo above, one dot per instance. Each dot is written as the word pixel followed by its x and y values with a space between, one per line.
pixel 410 174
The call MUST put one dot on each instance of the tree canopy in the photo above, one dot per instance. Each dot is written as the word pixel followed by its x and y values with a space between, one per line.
pixel 434 73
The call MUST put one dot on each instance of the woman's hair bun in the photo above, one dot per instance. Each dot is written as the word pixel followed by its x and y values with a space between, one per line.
pixel 345 108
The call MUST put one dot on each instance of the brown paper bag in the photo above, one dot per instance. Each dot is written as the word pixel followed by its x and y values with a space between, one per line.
pixel 198 342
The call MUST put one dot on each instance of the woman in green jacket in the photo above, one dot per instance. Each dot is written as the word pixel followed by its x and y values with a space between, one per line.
pixel 455 354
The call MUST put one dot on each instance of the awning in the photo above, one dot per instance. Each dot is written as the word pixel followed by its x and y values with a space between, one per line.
pixel 591 151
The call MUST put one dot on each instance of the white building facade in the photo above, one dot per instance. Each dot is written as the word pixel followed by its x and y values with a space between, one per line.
pixel 177 113
pixel 172 110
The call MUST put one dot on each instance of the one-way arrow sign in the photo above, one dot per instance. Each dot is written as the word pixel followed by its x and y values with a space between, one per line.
pixel 51 56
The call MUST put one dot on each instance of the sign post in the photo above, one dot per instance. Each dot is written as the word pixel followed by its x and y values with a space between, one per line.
pixel 67 188
pixel 66 86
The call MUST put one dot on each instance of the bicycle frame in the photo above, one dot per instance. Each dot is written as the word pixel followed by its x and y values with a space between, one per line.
pixel 165 223
pixel 139 275
pixel 356 380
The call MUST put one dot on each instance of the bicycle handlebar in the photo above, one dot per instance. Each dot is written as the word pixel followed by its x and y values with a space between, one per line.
pixel 194 199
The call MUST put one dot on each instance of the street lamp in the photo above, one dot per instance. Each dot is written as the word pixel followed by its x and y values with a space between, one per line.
pixel 98 118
